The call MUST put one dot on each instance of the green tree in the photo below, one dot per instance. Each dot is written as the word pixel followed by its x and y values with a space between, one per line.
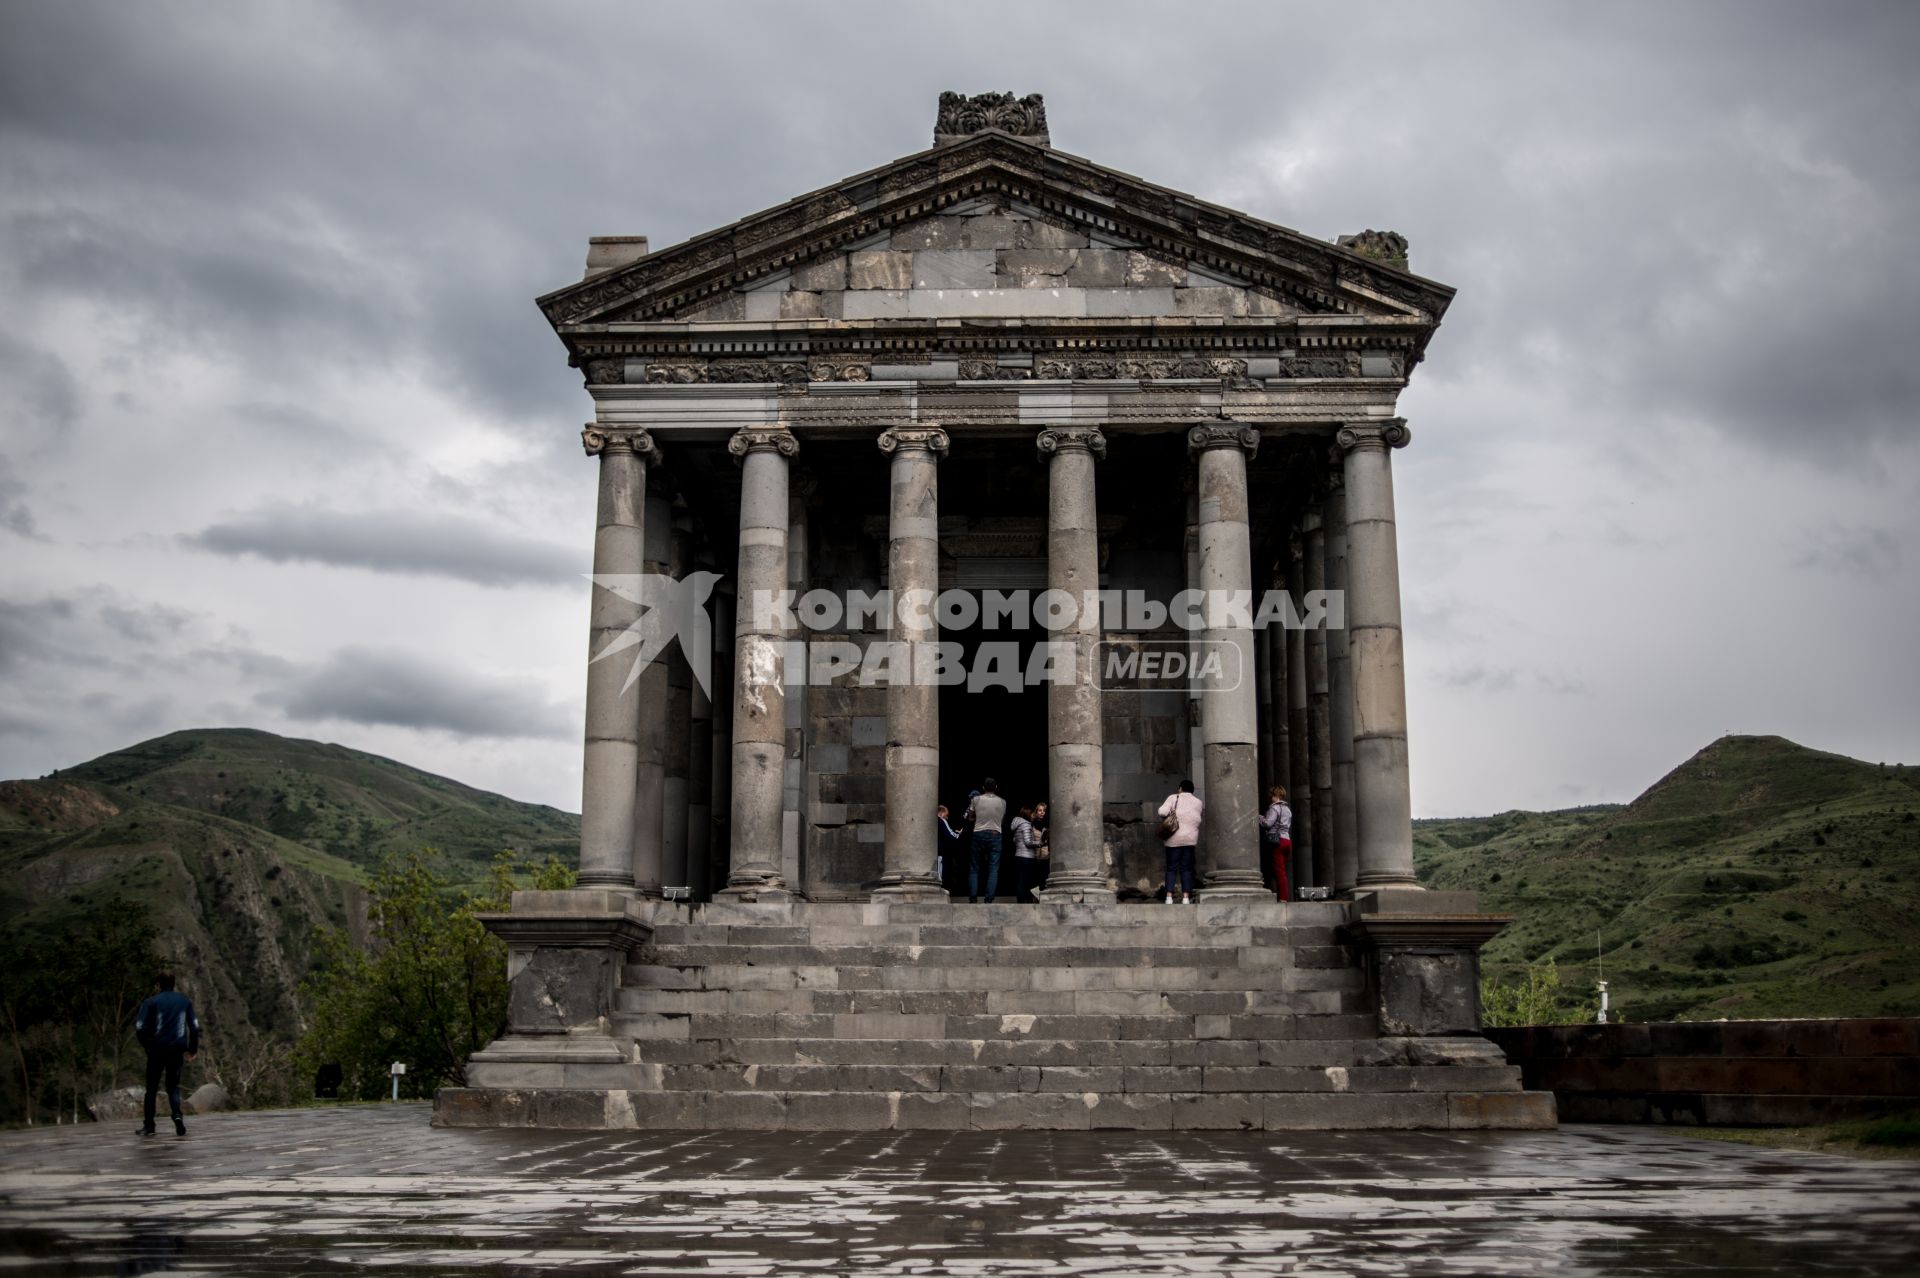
pixel 67 1006
pixel 429 992
pixel 1532 1000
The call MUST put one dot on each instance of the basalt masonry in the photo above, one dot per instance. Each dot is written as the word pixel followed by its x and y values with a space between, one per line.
pixel 993 370
pixel 1741 1073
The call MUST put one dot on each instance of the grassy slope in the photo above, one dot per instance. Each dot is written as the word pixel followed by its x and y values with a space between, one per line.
pixel 1759 878
pixel 241 844
pixel 354 805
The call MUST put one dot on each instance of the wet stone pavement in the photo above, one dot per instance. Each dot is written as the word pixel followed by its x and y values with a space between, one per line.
pixel 378 1190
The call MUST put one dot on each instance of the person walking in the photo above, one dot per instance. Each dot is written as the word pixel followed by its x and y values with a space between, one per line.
pixel 986 810
pixel 170 1032
pixel 1276 836
pixel 1180 819
pixel 1026 860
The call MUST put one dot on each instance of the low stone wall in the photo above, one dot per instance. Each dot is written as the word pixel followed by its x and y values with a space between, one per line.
pixel 1734 1073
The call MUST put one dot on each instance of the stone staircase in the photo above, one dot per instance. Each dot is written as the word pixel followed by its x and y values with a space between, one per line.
pixel 1226 1015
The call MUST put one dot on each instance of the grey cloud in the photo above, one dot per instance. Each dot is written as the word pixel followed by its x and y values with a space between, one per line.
pixel 372 687
pixel 395 542
pixel 1867 553
pixel 28 631
pixel 1481 676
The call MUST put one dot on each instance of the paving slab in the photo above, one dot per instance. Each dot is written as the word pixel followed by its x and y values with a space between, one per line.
pixel 376 1189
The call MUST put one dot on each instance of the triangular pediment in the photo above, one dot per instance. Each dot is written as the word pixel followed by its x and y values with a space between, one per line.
pixel 996 226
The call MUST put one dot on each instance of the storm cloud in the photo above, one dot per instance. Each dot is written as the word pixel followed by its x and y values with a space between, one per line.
pixel 398 542
pixel 403 689
pixel 273 365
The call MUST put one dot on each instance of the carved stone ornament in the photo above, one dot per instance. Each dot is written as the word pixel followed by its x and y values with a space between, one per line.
pixel 1138 368
pixel 1389 248
pixel 779 372
pixel 909 438
pixel 1223 435
pixel 1067 439
pixel 1356 436
pixel 961 115
pixel 633 439
pixel 606 372
pixel 763 439
pixel 1322 364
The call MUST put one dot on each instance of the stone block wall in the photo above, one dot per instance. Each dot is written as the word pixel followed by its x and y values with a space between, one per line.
pixel 1738 1073
pixel 989 258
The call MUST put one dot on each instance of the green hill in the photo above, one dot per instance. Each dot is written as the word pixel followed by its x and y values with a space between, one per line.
pixel 239 844
pixel 1759 878
pixel 353 805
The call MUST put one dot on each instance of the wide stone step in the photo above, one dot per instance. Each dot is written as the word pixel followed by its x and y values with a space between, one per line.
pixel 1249 957
pixel 1003 914
pixel 991 1111
pixel 910 976
pixel 1334 997
pixel 1353 1052
pixel 1083 1078
pixel 649 1026
pixel 994 936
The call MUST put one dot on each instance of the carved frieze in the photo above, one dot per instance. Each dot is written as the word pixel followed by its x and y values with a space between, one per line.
pixel 1322 364
pixel 824 368
pixel 606 372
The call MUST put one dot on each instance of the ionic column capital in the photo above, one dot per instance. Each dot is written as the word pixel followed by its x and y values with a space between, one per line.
pixel 762 439
pixel 620 439
pixel 1071 439
pixel 926 439
pixel 1223 434
pixel 1373 436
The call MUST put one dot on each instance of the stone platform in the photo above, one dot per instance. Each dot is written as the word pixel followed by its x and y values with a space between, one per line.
pixel 364 1189
pixel 812 1016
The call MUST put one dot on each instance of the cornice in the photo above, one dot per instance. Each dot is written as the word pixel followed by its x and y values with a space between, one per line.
pixel 1322 276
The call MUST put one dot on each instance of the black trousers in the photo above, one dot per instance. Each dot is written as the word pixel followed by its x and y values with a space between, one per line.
pixel 167 1061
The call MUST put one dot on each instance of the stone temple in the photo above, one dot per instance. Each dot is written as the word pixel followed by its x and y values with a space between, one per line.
pixel 988 368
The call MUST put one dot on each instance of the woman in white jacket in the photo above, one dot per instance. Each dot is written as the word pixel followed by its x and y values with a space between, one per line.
pixel 1184 806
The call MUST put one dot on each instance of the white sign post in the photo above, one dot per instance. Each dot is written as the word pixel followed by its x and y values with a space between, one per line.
pixel 397 1069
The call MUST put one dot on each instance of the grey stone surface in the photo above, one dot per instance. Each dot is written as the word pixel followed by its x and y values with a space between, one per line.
pixel 375 1187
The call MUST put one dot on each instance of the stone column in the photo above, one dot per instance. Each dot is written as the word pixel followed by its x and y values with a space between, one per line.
pixel 1299 734
pixel 1319 712
pixel 676 753
pixel 1383 804
pixel 759 665
pixel 1226 702
pixel 794 774
pixel 1076 824
pixel 650 777
pixel 1346 843
pixel 1263 691
pixel 720 766
pixel 1280 772
pixel 613 701
pixel 913 699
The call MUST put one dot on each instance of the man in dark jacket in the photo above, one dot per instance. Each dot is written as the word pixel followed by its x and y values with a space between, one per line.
pixel 168 1029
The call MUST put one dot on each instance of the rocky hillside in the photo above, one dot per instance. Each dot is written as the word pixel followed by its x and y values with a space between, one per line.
pixel 239 844
pixel 1759 878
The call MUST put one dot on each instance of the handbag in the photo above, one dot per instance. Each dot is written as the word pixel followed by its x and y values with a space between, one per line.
pixel 1170 823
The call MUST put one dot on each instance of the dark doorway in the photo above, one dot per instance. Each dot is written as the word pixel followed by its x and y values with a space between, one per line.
pixel 993 732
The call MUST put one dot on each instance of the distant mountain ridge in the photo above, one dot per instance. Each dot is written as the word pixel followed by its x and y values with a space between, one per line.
pixel 240 844
pixel 1758 878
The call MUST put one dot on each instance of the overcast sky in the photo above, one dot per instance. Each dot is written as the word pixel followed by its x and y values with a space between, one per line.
pixel 284 442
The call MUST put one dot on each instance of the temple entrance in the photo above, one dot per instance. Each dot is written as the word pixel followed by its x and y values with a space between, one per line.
pixel 995 732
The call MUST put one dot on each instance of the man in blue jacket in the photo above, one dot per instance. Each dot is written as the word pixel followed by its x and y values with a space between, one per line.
pixel 168 1029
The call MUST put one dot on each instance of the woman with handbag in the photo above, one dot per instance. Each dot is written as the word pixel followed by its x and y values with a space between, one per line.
pixel 1180 831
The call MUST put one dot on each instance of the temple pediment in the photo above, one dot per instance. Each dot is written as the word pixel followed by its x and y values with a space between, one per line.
pixel 997 226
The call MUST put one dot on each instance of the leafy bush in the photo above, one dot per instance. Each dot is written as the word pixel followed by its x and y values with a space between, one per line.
pixel 430 992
